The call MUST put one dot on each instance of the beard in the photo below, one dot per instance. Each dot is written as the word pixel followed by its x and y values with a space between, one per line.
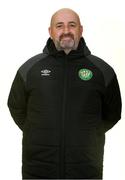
pixel 65 42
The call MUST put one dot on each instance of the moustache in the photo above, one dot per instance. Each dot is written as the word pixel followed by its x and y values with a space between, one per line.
pixel 66 35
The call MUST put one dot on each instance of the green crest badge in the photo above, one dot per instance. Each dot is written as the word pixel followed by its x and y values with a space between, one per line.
pixel 85 74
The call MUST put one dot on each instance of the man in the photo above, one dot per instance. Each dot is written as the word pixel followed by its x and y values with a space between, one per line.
pixel 64 100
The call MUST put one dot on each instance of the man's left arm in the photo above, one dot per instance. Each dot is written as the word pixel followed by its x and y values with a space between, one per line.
pixel 111 107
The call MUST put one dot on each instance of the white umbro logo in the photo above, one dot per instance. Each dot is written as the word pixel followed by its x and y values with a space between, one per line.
pixel 45 72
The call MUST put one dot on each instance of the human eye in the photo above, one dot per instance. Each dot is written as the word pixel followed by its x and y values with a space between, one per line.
pixel 58 26
pixel 73 25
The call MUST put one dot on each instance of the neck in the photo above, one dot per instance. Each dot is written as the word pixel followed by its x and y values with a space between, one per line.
pixel 67 51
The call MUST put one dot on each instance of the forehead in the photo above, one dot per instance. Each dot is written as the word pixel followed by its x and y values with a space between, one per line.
pixel 65 17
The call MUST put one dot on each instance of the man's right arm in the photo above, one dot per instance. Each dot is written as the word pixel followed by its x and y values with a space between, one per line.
pixel 17 101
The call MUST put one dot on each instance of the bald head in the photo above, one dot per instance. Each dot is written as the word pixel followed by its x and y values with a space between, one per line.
pixel 65 29
pixel 64 12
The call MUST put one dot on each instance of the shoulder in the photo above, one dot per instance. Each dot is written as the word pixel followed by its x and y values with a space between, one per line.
pixel 24 69
pixel 107 71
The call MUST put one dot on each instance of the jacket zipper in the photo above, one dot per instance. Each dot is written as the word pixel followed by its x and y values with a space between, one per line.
pixel 64 106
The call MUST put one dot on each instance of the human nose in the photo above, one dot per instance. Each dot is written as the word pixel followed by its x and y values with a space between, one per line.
pixel 66 30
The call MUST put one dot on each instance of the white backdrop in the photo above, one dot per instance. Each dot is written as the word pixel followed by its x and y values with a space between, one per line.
pixel 23 34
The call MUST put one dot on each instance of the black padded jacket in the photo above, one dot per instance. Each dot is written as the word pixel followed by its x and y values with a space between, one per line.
pixel 64 104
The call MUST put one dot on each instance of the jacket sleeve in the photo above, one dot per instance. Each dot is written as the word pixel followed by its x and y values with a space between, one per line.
pixel 17 101
pixel 111 106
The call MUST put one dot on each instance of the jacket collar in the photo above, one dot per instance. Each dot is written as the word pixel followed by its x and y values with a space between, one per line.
pixel 82 50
